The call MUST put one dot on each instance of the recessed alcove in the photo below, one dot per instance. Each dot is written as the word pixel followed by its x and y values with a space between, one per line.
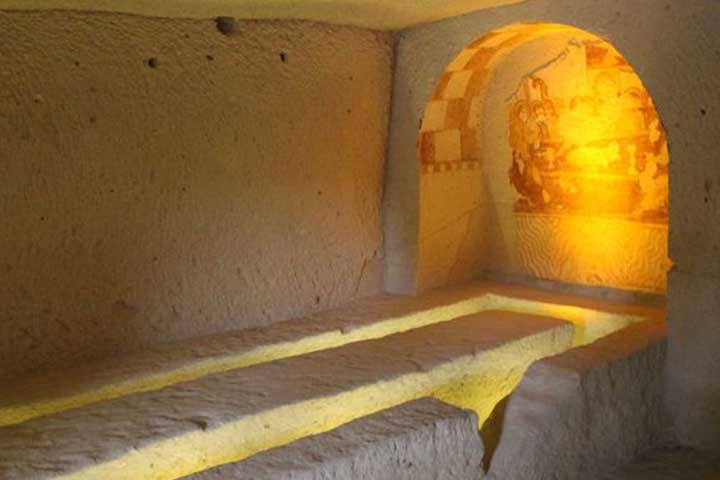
pixel 252 254
pixel 543 156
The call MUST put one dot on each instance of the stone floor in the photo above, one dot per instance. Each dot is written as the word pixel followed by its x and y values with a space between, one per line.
pixel 669 464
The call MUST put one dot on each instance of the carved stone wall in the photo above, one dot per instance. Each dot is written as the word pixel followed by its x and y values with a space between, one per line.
pixel 593 251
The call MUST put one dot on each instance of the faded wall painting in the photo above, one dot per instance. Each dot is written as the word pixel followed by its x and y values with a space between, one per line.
pixel 599 151
pixel 590 170
pixel 542 155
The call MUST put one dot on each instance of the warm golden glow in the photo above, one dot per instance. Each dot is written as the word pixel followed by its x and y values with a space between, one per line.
pixel 476 381
pixel 590 145
pixel 590 162
pixel 589 325
pixel 579 190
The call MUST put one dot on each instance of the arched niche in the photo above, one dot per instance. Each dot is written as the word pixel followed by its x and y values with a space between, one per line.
pixel 542 155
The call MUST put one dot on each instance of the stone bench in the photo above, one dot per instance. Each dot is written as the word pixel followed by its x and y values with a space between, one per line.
pixel 587 410
pixel 189 427
pixel 362 320
pixel 420 440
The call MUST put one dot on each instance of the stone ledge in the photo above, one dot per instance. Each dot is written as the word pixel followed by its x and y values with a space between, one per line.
pixel 421 440
pixel 365 319
pixel 587 410
pixel 471 362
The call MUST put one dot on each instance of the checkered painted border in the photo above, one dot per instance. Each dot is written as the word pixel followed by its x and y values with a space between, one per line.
pixel 448 138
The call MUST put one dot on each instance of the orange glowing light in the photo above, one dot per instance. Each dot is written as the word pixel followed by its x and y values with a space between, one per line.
pixel 590 163
pixel 597 149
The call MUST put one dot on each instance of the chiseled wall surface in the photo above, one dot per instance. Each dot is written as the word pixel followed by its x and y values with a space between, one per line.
pixel 675 51
pixel 161 180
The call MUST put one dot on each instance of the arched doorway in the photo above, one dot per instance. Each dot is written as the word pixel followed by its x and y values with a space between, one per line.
pixel 542 155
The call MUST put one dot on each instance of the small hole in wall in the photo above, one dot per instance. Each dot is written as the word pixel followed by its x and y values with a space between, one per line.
pixel 283 57
pixel 317 300
pixel 703 112
pixel 708 188
pixel 152 62
pixel 210 58
pixel 226 25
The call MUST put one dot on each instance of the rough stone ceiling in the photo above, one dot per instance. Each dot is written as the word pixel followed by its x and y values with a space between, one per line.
pixel 376 14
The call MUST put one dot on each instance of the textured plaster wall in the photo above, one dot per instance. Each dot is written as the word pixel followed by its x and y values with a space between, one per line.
pixel 162 180
pixel 675 51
